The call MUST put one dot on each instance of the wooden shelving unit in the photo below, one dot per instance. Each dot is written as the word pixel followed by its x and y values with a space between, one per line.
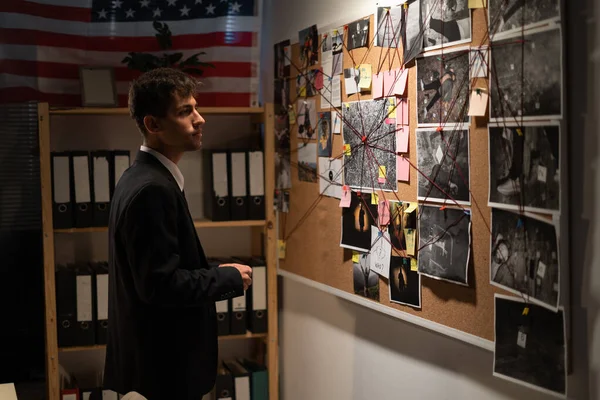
pixel 266 227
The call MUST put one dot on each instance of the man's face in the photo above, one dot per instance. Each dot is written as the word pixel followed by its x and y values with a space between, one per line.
pixel 181 128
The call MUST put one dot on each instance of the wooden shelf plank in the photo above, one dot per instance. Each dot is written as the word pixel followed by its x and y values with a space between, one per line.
pixel 125 110
pixel 200 223
pixel 247 335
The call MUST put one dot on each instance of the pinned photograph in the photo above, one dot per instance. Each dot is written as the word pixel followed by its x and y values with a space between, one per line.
pixel 308 40
pixel 358 34
pixel 388 23
pixel 403 229
pixel 524 257
pixel 282 96
pixel 444 244
pixel 283 59
pixel 330 177
pixel 412 38
pixel 527 77
pixel 529 345
pixel 325 138
pixel 445 23
pixel 337 50
pixel 443 159
pixel 366 282
pixel 357 220
pixel 307 162
pixel 525 166
pixel 442 88
pixel 307 118
pixel 369 164
pixel 511 17
pixel 404 282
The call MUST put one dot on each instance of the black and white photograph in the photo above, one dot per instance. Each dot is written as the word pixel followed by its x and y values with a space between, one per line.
pixel 445 23
pixel 443 159
pixel 512 17
pixel 388 23
pixel 525 167
pixel 403 228
pixel 307 118
pixel 404 283
pixel 308 39
pixel 366 282
pixel 412 38
pixel 526 77
pixel 283 59
pixel 357 220
pixel 529 345
pixel 361 168
pixel 337 49
pixel 444 243
pixel 330 177
pixel 282 201
pixel 305 84
pixel 325 138
pixel 282 96
pixel 358 34
pixel 307 162
pixel 282 151
pixel 525 257
pixel 443 88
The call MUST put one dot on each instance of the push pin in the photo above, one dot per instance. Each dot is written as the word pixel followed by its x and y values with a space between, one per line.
pixel 364 139
pixel 478 91
pixel 439 129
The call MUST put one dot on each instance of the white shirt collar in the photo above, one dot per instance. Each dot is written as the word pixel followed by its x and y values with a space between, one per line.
pixel 170 165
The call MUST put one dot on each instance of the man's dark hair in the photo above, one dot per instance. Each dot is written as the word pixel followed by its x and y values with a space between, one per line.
pixel 152 93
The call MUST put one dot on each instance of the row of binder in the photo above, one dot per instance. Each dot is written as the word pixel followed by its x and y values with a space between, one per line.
pixel 247 312
pixel 241 379
pixel 82 303
pixel 234 185
pixel 83 184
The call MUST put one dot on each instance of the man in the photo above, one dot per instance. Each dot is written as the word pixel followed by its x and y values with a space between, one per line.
pixel 162 335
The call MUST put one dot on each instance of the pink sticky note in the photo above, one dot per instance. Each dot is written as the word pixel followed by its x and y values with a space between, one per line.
pixel 402 112
pixel 402 139
pixel 388 82
pixel 402 169
pixel 319 79
pixel 383 210
pixel 377 81
pixel 346 197
pixel 402 75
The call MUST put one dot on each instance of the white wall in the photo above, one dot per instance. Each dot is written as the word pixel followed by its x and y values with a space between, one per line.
pixel 334 349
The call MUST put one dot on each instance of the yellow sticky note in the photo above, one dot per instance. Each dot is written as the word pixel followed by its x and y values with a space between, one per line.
pixel 409 237
pixel 302 92
pixel 347 149
pixel 413 265
pixel 382 171
pixel 374 198
pixel 281 249
pixel 477 3
pixel 391 107
pixel 365 76
pixel 291 115
pixel 411 207
pixel 355 257
pixel 526 311
pixel 519 132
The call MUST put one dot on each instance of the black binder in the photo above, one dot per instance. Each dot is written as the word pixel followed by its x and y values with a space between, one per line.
pixel 119 163
pixel 256 185
pixel 217 199
pixel 66 311
pixel 62 206
pixel 101 189
pixel 222 307
pixel 256 295
pixel 101 300
pixel 85 332
pixel 224 388
pixel 238 178
pixel 82 177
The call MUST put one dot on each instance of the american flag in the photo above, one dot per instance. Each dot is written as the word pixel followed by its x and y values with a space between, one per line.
pixel 43 44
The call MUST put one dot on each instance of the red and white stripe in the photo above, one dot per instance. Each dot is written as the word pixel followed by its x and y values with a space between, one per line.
pixel 43 43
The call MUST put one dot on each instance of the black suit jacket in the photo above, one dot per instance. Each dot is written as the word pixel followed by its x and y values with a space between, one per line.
pixel 162 331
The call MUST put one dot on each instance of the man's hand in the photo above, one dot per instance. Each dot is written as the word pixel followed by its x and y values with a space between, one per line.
pixel 245 271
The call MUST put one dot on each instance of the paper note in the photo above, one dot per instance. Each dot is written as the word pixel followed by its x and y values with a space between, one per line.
pixel 409 235
pixel 351 79
pixel 521 339
pixel 347 149
pixel 337 122
pixel 381 252
pixel 412 206
pixel 382 175
pixel 478 103
pixel 291 115
pixel 402 112
pixel 392 109
pixel 413 265
pixel 383 211
pixel 402 169
pixel 374 198
pixel 336 92
pixel 541 272
pixel 377 90
pixel 365 77
pixel 477 3
pixel 479 60
pixel 281 248
pixel 325 92
pixel 541 173
pixel 402 139
pixel 388 82
pixel 346 197
pixel 402 77
pixel 355 257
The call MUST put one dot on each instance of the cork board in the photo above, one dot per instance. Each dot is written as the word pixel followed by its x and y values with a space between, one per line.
pixel 311 229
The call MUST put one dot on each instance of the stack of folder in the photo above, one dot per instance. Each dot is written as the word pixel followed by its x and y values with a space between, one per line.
pixel 234 185
pixel 82 303
pixel 247 312
pixel 83 184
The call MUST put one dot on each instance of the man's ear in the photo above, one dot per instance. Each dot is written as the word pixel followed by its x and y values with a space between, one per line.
pixel 152 124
